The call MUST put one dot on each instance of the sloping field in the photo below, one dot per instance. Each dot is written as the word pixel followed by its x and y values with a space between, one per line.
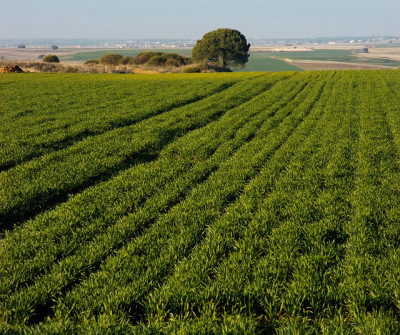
pixel 219 203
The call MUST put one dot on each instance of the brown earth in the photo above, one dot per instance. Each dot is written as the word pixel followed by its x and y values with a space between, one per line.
pixel 330 65
pixel 9 69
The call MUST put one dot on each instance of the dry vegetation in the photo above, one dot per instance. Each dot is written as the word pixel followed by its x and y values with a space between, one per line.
pixel 65 68
pixel 88 68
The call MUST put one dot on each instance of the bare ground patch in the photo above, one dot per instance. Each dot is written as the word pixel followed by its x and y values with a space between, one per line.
pixel 331 65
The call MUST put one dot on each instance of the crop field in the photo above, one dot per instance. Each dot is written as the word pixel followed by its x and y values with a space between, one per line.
pixel 234 203
pixel 322 59
pixel 276 61
pixel 263 62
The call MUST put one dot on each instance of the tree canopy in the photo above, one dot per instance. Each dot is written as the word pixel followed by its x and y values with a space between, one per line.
pixel 226 47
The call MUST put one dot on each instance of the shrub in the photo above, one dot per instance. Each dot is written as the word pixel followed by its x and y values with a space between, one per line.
pixel 51 59
pixel 192 69
pixel 110 59
pixel 126 60
pixel 144 57
pixel 156 61
pixel 91 61
pixel 173 62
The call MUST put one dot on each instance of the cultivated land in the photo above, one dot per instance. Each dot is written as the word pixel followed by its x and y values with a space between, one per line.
pixel 219 203
pixel 275 58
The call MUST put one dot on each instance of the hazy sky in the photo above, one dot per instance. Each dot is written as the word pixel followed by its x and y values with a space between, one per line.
pixel 135 19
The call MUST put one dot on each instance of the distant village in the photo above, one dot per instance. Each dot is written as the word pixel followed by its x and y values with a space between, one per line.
pixel 182 43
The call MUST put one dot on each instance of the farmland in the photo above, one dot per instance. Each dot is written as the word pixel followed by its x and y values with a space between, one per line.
pixel 200 203
pixel 272 58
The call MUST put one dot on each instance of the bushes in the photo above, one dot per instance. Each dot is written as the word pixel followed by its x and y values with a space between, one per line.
pixel 192 69
pixel 91 61
pixel 144 57
pixel 127 60
pixel 156 61
pixel 150 58
pixel 110 59
pixel 154 58
pixel 172 62
pixel 51 59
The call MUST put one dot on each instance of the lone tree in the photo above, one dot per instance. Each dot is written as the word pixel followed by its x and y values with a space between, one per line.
pixel 226 47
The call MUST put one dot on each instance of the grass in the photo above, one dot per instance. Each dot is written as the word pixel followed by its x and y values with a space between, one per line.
pixel 200 203
pixel 260 62
pixel 326 55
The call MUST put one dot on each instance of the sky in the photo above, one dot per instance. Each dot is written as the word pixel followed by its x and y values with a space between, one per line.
pixel 187 19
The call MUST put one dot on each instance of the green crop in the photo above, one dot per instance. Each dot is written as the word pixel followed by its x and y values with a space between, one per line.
pixel 222 203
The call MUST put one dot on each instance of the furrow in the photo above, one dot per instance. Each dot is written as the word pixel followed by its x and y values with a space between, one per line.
pixel 188 289
pixel 32 187
pixel 176 232
pixel 141 212
pixel 371 261
pixel 44 148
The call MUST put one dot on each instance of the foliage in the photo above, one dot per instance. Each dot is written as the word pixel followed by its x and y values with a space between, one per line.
pixel 126 60
pixel 156 61
pixel 92 61
pixel 110 59
pixel 154 58
pixel 227 47
pixel 219 203
pixel 51 59
pixel 145 56
pixel 192 69
pixel 151 58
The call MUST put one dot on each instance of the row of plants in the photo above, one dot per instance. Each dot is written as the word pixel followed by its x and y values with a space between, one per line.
pixel 146 261
pixel 86 107
pixel 171 163
pixel 270 206
pixel 178 151
pixel 30 187
pixel 255 123
pixel 247 263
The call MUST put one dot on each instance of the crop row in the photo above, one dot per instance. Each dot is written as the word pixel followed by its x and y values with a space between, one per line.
pixel 180 155
pixel 370 267
pixel 32 186
pixel 73 112
pixel 251 262
pixel 176 232
pixel 172 153
pixel 271 206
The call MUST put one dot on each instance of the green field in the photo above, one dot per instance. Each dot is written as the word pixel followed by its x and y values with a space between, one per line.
pixel 333 55
pixel 258 61
pixel 262 62
pixel 323 54
pixel 234 203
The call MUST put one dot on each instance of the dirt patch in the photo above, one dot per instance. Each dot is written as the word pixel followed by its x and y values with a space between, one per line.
pixel 330 65
pixel 11 69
